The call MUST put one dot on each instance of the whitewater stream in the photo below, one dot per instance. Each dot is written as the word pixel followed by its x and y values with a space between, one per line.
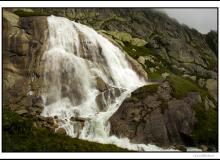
pixel 76 58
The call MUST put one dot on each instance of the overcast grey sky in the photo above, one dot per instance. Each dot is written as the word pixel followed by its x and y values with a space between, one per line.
pixel 203 20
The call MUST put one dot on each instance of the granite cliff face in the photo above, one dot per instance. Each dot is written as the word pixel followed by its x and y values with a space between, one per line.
pixel 23 45
pixel 179 109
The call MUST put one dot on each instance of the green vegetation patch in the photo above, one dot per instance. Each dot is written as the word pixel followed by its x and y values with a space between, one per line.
pixel 143 91
pixel 181 86
pixel 213 63
pixel 19 135
pixel 206 128
pixel 136 51
pixel 155 76
pixel 150 64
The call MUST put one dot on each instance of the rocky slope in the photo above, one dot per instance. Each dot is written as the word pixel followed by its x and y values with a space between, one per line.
pixel 181 46
pixel 180 109
pixel 154 115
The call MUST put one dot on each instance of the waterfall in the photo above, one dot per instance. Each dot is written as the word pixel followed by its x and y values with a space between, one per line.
pixel 86 78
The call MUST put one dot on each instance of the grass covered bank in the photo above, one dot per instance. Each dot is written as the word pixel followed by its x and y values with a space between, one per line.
pixel 19 135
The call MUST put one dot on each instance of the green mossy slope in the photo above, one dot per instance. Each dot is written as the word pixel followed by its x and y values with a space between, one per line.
pixel 182 86
pixel 206 129
pixel 19 135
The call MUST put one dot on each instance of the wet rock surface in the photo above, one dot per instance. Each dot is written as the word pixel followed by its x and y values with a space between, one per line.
pixel 61 131
pixel 107 97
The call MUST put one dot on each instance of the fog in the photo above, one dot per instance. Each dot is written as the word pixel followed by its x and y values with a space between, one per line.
pixel 201 19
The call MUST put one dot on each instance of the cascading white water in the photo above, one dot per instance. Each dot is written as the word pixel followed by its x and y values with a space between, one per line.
pixel 75 58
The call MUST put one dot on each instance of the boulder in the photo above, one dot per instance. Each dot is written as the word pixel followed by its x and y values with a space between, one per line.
pixel 141 60
pixel 41 118
pixel 138 42
pixel 78 119
pixel 35 111
pixel 204 148
pixel 182 148
pixel 61 131
pixel 22 111
pixel 37 101
pixel 186 76
pixel 193 78
pixel 101 85
pixel 208 104
pixel 49 120
pixel 150 59
pixel 55 125
pixel 182 69
pixel 107 97
pixel 211 85
pixel 122 36
pixel 152 115
pixel 152 69
pixel 165 75
pixel 199 99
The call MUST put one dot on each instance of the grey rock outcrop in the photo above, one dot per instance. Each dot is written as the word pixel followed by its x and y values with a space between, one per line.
pixel 22 50
pixel 211 85
pixel 61 131
pixel 107 97
pixel 152 115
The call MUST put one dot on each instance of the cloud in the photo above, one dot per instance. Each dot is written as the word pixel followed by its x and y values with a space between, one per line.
pixel 201 19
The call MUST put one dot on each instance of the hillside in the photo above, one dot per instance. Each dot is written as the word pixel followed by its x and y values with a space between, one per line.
pixel 179 109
